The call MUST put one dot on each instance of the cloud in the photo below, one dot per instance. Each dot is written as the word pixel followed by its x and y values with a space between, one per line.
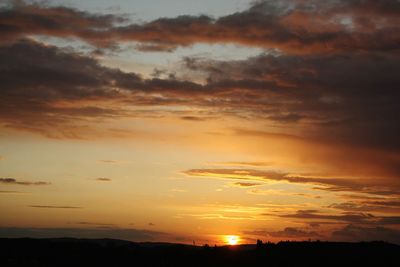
pixel 349 217
pixel 245 163
pixel 320 90
pixel 102 179
pixel 349 233
pixel 62 93
pixel 44 86
pixel 330 76
pixel 245 184
pixel 20 19
pixel 115 233
pixel 101 225
pixel 108 161
pixel 193 118
pixel 314 225
pixel 13 181
pixel 291 26
pixel 329 184
pixel 353 233
pixel 286 233
pixel 53 207
pixel 382 206
pixel 291 232
pixel 391 203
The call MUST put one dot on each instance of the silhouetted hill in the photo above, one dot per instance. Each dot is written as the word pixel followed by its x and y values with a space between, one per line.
pixel 109 252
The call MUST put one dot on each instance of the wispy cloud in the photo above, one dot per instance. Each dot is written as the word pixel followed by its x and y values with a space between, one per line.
pixel 53 207
pixel 244 163
pixel 245 184
pixel 13 181
pixel 108 161
pixel 103 179
pixel 95 224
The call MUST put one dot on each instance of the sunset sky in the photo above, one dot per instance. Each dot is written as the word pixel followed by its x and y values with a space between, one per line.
pixel 205 121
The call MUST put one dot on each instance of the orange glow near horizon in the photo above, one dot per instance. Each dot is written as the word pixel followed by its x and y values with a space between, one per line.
pixel 232 239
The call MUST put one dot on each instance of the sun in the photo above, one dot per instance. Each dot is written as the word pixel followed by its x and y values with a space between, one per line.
pixel 232 239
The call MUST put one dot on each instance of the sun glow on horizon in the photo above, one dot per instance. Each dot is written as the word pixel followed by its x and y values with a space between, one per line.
pixel 232 239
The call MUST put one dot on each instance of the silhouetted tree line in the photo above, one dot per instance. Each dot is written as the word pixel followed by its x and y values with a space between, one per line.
pixel 108 252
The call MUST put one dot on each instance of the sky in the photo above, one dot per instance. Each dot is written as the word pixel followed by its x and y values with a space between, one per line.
pixel 200 121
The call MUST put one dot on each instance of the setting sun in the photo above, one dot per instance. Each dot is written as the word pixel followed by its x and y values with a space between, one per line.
pixel 232 239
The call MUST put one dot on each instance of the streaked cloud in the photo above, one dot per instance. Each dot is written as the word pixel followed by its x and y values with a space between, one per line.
pixel 103 179
pixel 327 184
pixel 54 207
pixel 245 184
pixel 288 232
pixel 13 181
pixel 350 217
pixel 95 224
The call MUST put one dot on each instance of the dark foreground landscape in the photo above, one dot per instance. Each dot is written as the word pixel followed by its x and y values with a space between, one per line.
pixel 109 252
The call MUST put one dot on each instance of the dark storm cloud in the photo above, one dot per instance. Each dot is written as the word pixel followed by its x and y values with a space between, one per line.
pixel 115 233
pixel 13 181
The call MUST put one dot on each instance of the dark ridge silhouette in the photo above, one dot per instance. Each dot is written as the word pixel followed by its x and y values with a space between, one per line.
pixel 109 252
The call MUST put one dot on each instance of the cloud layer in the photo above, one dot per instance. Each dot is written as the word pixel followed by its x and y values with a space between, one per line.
pixel 115 233
pixel 291 26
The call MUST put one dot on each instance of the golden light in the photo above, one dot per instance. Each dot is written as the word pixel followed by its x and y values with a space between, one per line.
pixel 232 239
